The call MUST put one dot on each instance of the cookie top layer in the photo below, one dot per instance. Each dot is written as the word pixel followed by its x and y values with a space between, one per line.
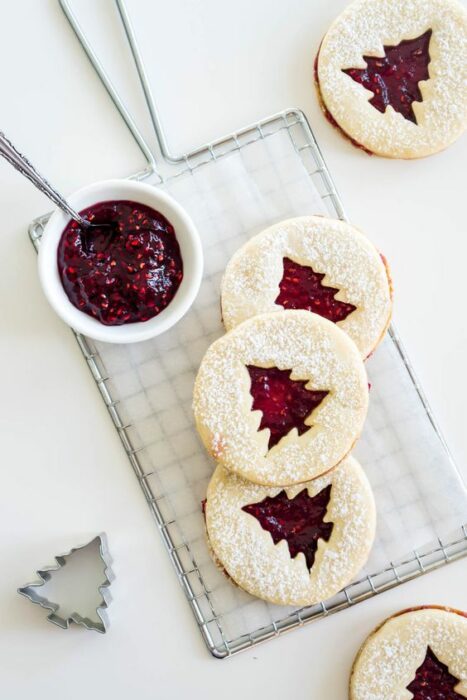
pixel 389 664
pixel 268 565
pixel 364 28
pixel 323 263
pixel 311 358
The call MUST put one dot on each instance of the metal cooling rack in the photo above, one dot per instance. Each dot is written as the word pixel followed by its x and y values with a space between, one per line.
pixel 147 387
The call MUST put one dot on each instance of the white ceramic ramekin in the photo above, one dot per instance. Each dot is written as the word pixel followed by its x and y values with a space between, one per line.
pixel 190 248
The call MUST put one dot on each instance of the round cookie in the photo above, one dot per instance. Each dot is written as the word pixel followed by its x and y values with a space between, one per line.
pixel 331 523
pixel 316 263
pixel 391 75
pixel 419 653
pixel 281 398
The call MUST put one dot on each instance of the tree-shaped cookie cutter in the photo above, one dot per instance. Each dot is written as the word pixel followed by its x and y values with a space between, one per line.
pixel 33 590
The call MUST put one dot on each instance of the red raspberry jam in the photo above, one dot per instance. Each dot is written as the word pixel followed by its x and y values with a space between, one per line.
pixel 123 273
pixel 433 681
pixel 302 288
pixel 299 520
pixel 393 79
pixel 285 403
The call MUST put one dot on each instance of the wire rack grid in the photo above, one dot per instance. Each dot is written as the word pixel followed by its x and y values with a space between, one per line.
pixel 181 533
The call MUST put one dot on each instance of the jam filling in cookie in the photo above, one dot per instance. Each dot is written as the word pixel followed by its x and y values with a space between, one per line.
pixel 285 403
pixel 433 681
pixel 299 520
pixel 125 272
pixel 302 288
pixel 393 79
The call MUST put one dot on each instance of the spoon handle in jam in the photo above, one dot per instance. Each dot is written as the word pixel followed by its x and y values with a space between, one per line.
pixel 22 164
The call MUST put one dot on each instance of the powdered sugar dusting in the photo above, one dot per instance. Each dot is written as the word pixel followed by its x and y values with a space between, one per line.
pixel 363 28
pixel 266 570
pixel 315 350
pixel 390 657
pixel 349 260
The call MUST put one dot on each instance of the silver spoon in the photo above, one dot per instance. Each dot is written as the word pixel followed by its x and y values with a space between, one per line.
pixel 22 164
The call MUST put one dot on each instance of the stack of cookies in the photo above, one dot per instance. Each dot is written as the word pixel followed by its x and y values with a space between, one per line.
pixel 280 401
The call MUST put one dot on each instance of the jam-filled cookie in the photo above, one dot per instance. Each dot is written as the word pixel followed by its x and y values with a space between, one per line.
pixel 391 75
pixel 315 263
pixel 420 653
pixel 281 398
pixel 297 545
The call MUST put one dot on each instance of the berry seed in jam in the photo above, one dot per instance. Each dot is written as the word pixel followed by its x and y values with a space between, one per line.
pixel 285 403
pixel 299 520
pixel 302 288
pixel 126 271
pixel 393 78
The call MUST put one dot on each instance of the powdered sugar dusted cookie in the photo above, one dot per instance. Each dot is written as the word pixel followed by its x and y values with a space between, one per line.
pixel 294 546
pixel 419 653
pixel 315 263
pixel 281 398
pixel 391 75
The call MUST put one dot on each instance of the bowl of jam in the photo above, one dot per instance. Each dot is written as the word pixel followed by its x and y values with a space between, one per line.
pixel 132 274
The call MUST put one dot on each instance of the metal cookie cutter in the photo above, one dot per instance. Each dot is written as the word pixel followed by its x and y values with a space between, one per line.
pixel 32 590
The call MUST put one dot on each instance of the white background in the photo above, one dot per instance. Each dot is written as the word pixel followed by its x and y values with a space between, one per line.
pixel 216 66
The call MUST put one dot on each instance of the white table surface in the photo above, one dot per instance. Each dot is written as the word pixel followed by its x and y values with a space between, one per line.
pixel 63 477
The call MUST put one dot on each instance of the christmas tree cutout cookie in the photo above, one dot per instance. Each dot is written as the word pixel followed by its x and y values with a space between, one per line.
pixel 282 371
pixel 37 594
pixel 417 653
pixel 391 75
pixel 316 264
pixel 293 545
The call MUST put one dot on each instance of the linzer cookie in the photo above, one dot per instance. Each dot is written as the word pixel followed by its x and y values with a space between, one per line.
pixel 391 75
pixel 315 263
pixel 281 398
pixel 420 653
pixel 296 545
